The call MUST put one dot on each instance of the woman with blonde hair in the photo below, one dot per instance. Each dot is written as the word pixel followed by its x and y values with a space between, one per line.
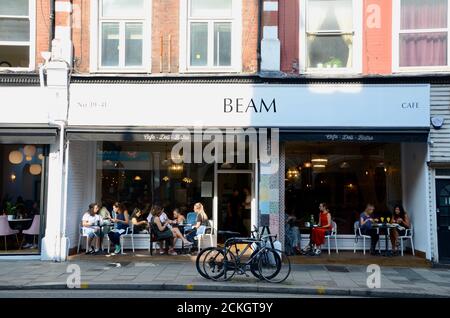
pixel 200 223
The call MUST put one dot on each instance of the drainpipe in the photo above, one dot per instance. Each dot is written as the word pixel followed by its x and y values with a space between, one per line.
pixel 258 50
pixel 60 236
pixel 51 28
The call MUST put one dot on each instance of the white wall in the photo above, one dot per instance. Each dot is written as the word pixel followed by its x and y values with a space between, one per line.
pixel 81 185
pixel 415 193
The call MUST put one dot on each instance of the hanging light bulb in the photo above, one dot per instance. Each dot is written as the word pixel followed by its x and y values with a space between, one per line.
pixel 29 150
pixel 15 157
pixel 35 169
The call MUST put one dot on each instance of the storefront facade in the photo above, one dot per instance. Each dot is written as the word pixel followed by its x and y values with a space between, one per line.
pixel 346 144
pixel 439 170
pixel 28 156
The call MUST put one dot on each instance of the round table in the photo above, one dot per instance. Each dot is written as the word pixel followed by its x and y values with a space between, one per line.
pixel 20 224
pixel 386 227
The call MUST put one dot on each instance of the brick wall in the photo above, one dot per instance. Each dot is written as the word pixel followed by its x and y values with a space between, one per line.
pixel 166 28
pixel 249 36
pixel 165 36
pixel 42 28
pixel 80 35
pixel 377 37
pixel 288 33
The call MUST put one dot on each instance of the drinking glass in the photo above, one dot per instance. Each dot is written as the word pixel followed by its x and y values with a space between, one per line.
pixel 382 219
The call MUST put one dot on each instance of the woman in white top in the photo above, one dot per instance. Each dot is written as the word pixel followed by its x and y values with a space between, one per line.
pixel 91 227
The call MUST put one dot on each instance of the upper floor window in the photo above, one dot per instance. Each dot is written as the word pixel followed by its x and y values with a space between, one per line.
pixel 212 34
pixel 17 34
pixel 332 31
pixel 123 35
pixel 423 33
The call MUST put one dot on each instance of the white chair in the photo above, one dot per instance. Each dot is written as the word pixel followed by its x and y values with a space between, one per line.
pixel 138 238
pixel 128 233
pixel 332 235
pixel 358 233
pixel 408 235
pixel 33 230
pixel 5 229
pixel 82 235
pixel 206 237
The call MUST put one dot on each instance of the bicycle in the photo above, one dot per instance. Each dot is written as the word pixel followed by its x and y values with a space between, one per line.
pixel 265 263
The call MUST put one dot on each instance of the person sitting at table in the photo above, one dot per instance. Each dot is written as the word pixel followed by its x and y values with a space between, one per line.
pixel 292 234
pixel 121 222
pixel 162 231
pixel 106 219
pixel 366 221
pixel 177 220
pixel 178 216
pixel 140 224
pixel 401 218
pixel 324 226
pixel 91 228
pixel 201 221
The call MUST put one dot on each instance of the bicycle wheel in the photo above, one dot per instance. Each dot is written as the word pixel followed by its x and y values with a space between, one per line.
pixel 254 265
pixel 274 265
pixel 200 259
pixel 219 265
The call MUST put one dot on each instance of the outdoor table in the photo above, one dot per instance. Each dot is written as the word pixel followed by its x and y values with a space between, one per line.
pixel 20 224
pixel 386 227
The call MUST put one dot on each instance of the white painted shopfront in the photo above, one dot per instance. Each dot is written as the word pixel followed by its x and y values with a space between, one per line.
pixel 349 114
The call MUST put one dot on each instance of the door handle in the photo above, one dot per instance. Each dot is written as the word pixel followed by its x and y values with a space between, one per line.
pixel 437 211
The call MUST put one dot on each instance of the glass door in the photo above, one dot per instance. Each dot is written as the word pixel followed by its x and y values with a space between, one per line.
pixel 235 201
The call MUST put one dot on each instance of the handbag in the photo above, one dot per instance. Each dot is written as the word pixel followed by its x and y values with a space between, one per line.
pixel 164 235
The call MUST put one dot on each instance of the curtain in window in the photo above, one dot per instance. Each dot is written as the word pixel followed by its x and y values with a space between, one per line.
pixel 423 49
pixel 420 14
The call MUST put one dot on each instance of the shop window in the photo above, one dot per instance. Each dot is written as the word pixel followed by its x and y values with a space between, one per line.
pixel 142 174
pixel 332 31
pixel 212 35
pixel 16 33
pixel 422 37
pixel 123 35
pixel 345 176
pixel 21 193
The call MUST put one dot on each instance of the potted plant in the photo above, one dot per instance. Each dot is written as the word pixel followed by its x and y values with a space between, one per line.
pixel 10 210
pixel 334 62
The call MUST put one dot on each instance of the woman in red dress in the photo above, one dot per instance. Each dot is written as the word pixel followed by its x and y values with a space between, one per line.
pixel 318 233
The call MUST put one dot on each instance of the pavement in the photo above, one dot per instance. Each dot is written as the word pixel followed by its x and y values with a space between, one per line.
pixel 181 275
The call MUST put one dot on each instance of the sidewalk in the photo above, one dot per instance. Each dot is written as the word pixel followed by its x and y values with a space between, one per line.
pixel 345 280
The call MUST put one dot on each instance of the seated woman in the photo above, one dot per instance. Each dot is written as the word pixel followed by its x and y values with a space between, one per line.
pixel 318 233
pixel 139 221
pixel 292 235
pixel 178 216
pixel 121 222
pixel 201 220
pixel 163 231
pixel 177 220
pixel 91 228
pixel 401 218
pixel 366 221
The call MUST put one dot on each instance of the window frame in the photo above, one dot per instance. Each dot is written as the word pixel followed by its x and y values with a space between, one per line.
pixel 31 43
pixel 356 68
pixel 96 40
pixel 185 39
pixel 396 31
